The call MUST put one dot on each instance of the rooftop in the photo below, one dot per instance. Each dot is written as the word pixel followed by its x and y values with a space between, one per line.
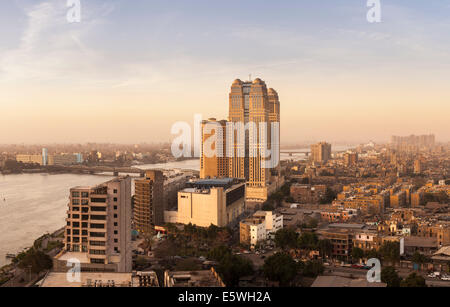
pixel 343 282
pixel 213 183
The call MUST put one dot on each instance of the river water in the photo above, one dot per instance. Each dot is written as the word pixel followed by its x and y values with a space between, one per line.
pixel 34 204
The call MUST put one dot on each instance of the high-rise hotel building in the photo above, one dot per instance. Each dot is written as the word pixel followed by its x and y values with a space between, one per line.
pixel 149 201
pixel 249 103
pixel 214 160
pixel 252 102
pixel 98 230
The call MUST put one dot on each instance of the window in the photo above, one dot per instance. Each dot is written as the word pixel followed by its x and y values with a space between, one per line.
pixel 98 200
pixel 97 243
pixel 115 216
pixel 75 194
pixel 97 234
pixel 98 209
pixel 96 252
pixel 85 194
pixel 115 199
pixel 98 226
pixel 98 217
pixel 98 261
pixel 115 191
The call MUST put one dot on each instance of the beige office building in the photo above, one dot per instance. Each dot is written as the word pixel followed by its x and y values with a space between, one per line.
pixel 30 159
pixel 218 202
pixel 98 231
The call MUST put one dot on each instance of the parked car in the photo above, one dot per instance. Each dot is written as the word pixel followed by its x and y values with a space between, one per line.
pixel 356 266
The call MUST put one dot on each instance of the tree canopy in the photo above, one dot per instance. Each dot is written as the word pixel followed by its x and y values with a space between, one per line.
pixel 280 267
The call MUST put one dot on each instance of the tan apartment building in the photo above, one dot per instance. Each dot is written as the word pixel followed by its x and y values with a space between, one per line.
pixel 439 231
pixel 307 194
pixel 321 152
pixel 30 159
pixel 417 198
pixel 98 230
pixel 398 200
pixel 149 201
pixel 351 159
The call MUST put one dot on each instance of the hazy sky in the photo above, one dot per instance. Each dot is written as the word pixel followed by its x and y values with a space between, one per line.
pixel 131 69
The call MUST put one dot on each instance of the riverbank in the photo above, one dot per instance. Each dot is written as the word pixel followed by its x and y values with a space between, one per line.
pixel 48 244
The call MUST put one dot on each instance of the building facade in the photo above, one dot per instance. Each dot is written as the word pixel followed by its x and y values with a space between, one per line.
pixel 214 160
pixel 98 230
pixel 149 202
pixel 218 202
pixel 321 152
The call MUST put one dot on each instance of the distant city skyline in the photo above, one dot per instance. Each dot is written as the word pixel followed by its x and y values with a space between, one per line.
pixel 128 71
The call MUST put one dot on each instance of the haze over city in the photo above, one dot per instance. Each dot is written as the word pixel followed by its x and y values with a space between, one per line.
pixel 127 72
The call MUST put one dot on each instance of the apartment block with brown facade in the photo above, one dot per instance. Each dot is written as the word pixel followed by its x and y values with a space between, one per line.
pixel 149 202
pixel 307 194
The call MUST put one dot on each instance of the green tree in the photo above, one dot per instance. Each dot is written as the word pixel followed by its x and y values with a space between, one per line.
pixel 308 240
pixel 232 267
pixel 373 253
pixel 413 281
pixel 313 268
pixel 280 267
pixel 38 261
pixel 329 196
pixel 218 253
pixel 390 277
pixel 419 258
pixel 285 238
pixel 325 247
pixel 357 253
pixel 267 207
pixel 390 251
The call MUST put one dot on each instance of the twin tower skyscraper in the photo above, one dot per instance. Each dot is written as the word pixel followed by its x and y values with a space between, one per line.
pixel 247 146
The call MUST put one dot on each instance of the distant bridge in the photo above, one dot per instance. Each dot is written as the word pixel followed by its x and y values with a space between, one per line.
pixel 291 153
pixel 306 153
pixel 102 169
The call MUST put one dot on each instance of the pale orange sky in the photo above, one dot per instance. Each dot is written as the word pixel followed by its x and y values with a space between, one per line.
pixel 339 78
